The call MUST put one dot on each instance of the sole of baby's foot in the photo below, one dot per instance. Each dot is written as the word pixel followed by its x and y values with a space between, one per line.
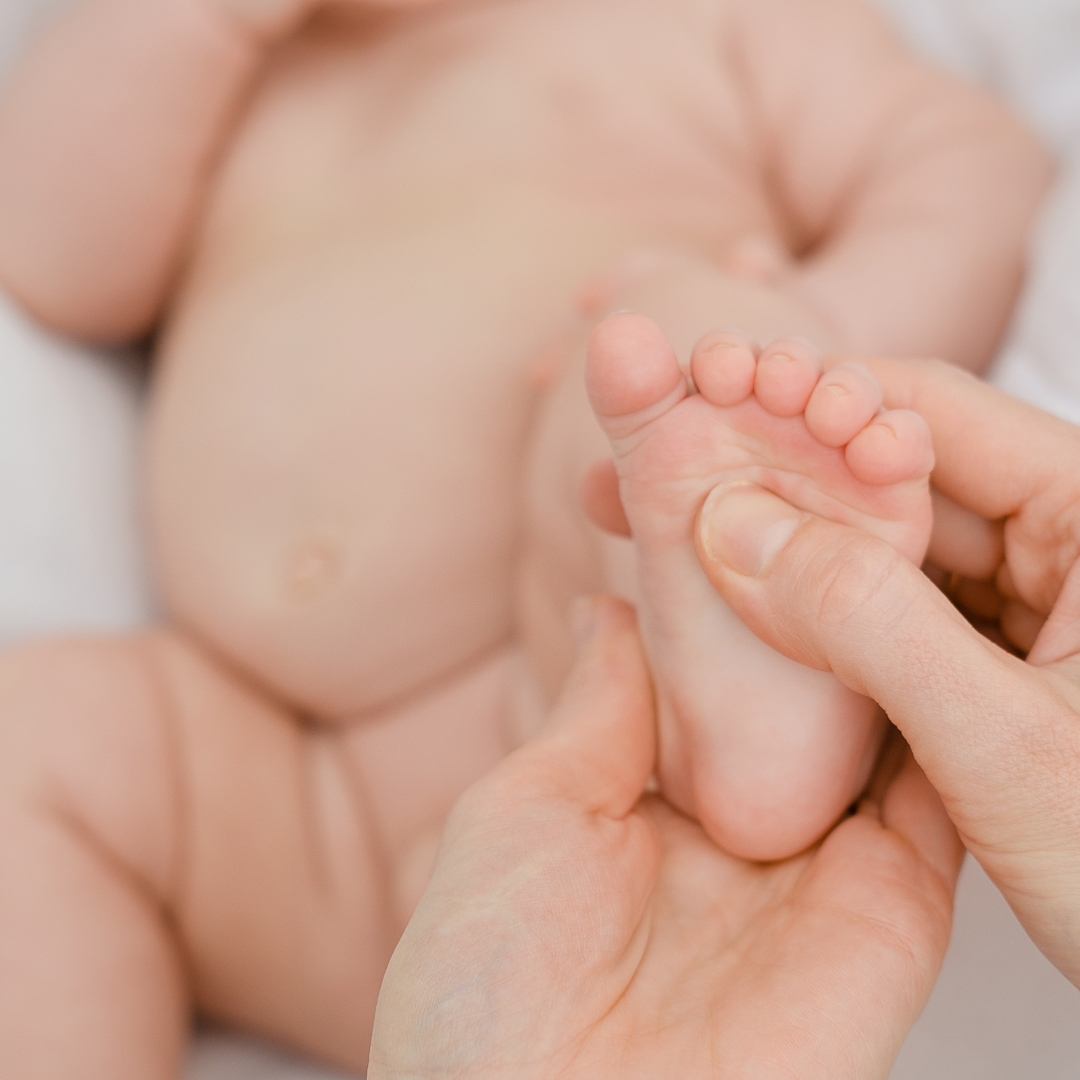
pixel 765 753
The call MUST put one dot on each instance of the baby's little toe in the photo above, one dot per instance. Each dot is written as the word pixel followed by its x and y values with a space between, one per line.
pixel 787 372
pixel 893 447
pixel 844 401
pixel 723 366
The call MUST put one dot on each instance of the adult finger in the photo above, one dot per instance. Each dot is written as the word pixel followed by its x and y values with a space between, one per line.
pixel 999 459
pixel 963 542
pixel 599 748
pixel 906 803
pixel 993 452
pixel 601 500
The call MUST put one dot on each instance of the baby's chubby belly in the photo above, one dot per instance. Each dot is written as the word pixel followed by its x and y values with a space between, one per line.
pixel 344 387
pixel 336 446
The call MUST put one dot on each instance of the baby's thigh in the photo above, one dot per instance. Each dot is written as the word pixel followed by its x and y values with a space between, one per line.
pixel 242 824
pixel 283 890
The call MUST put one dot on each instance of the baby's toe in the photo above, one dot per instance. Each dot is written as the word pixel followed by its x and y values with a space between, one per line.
pixel 723 366
pixel 844 401
pixel 631 374
pixel 893 447
pixel 787 372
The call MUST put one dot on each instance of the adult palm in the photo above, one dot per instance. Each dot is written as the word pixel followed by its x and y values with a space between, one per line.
pixel 575 927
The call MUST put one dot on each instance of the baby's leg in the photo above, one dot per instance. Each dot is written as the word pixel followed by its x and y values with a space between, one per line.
pixel 908 196
pixel 92 981
pixel 764 752
pixel 172 841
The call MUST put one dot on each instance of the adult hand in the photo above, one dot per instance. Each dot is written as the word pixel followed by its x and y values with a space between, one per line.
pixel 998 738
pixel 574 926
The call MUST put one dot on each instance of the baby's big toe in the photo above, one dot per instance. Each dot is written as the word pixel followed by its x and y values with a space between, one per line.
pixel 631 375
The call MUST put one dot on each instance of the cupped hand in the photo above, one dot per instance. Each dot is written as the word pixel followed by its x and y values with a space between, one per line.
pixel 576 927
pixel 999 737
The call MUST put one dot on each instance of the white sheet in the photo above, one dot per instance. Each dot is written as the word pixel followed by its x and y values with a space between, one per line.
pixel 70 557
pixel 1029 51
pixel 70 552
pixel 1041 359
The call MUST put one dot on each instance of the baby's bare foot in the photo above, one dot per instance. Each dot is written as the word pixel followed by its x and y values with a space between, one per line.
pixel 764 752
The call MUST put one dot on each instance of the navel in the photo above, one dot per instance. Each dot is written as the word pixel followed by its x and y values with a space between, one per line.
pixel 312 568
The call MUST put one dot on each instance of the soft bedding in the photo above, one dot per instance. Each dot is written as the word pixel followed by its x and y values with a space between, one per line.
pixel 1030 53
pixel 70 558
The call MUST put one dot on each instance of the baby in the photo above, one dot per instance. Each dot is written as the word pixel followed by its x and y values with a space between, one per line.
pixel 371 241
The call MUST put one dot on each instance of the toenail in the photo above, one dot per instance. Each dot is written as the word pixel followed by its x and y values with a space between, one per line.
pixel 724 339
pixel 745 527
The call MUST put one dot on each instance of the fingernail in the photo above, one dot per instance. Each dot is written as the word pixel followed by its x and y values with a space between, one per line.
pixel 746 527
pixel 584 620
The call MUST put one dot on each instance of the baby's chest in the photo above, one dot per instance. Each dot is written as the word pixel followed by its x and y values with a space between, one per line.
pixel 631 109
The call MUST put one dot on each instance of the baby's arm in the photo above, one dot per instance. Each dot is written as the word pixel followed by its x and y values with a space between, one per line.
pixel 909 193
pixel 108 130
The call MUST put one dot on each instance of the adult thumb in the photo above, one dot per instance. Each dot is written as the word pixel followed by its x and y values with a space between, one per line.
pixel 839 599
pixel 598 749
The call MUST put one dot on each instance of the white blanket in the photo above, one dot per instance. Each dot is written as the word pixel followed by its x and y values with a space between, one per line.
pixel 70 556
pixel 1029 51
pixel 70 553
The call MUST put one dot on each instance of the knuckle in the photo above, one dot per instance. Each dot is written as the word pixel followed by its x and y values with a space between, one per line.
pixel 859 587
pixel 1048 736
